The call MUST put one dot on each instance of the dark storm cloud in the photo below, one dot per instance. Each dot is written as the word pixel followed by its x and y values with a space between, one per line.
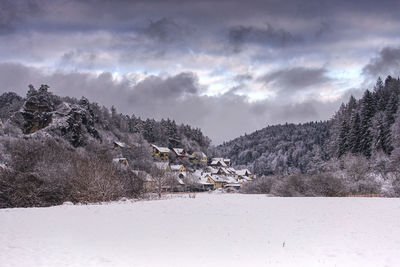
pixel 13 13
pixel 266 36
pixel 165 30
pixel 294 79
pixel 156 88
pixel 387 62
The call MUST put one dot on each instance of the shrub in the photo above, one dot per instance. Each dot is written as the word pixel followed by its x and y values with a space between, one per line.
pixel 49 171
pixel 326 184
pixel 261 185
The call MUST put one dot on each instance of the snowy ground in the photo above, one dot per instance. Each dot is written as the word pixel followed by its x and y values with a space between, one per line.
pixel 210 230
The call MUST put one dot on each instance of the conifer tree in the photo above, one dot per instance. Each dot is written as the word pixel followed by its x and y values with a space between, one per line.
pixel 343 139
pixel 367 112
pixel 355 133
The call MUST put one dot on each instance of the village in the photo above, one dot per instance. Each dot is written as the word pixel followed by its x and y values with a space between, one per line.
pixel 202 174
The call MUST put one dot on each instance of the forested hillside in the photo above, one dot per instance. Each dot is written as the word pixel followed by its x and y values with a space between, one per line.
pixel 282 149
pixel 78 121
pixel 367 128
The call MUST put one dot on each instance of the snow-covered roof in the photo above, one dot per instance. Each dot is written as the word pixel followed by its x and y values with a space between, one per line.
pixel 243 172
pixel 202 177
pixel 120 144
pixel 220 178
pixel 161 149
pixel 231 170
pixel 200 154
pixel 213 170
pixel 220 162
pixel 176 167
pixel 223 170
pixel 179 151
pixel 120 160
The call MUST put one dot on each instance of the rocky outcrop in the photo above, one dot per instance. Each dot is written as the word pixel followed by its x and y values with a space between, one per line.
pixel 38 110
pixel 45 113
pixel 80 124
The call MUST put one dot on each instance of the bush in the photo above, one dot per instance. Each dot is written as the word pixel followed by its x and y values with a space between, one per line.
pixel 49 171
pixel 261 185
pixel 326 184
pixel 296 185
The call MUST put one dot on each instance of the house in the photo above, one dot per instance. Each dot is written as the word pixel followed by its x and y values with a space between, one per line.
pixel 234 186
pixel 161 152
pixel 218 162
pixel 179 184
pixel 122 145
pixel 244 173
pixel 123 162
pixel 178 168
pixel 179 152
pixel 218 181
pixel 149 184
pixel 203 180
pixel 199 156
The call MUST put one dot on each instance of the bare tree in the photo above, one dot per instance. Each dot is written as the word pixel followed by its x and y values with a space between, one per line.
pixel 162 178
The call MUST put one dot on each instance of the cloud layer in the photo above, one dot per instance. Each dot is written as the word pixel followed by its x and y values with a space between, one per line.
pixel 229 67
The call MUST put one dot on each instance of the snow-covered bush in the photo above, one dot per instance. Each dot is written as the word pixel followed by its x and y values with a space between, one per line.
pixel 261 185
pixel 49 171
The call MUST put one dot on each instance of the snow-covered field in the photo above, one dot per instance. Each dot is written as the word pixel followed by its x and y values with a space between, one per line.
pixel 210 230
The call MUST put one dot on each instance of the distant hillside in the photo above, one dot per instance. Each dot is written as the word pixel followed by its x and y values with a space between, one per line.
pixel 368 127
pixel 285 148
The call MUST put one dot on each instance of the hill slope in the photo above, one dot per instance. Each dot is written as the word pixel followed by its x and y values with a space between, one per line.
pixel 368 127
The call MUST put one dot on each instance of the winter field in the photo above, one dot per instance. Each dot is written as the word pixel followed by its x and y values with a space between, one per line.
pixel 209 230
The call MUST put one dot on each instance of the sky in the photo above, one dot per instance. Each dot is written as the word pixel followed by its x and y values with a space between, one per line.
pixel 229 67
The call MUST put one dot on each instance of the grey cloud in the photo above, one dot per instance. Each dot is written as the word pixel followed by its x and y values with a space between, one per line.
pixel 294 79
pixel 387 62
pixel 220 117
pixel 79 58
pixel 174 87
pixel 267 36
pixel 243 77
